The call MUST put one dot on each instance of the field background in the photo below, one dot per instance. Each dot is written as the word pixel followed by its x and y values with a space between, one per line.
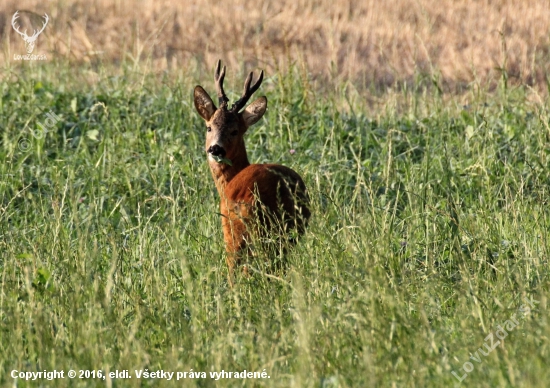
pixel 421 128
pixel 374 43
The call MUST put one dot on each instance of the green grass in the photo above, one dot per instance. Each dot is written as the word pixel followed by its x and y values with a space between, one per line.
pixel 430 225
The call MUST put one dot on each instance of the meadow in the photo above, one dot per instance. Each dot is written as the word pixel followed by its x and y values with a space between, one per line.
pixel 425 263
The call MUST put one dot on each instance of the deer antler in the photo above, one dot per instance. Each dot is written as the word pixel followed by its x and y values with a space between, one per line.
pixel 29 40
pixel 247 91
pixel 24 34
pixel 218 77
pixel 46 19
pixel 16 28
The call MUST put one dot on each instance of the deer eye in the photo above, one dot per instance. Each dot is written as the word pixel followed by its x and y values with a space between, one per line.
pixel 234 133
pixel 209 129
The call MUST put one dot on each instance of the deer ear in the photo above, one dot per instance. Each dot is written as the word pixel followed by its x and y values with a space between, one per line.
pixel 203 103
pixel 254 111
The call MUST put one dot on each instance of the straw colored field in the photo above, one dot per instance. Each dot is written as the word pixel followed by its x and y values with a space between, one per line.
pixel 367 42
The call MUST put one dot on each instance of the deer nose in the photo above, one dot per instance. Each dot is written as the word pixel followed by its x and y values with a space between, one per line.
pixel 216 150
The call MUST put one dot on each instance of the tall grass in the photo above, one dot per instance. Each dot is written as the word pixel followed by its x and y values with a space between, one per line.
pixel 377 43
pixel 430 226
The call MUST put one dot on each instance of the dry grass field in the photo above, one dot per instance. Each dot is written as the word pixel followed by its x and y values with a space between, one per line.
pixel 369 43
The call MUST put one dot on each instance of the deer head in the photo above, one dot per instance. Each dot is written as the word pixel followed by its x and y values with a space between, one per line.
pixel 29 40
pixel 226 126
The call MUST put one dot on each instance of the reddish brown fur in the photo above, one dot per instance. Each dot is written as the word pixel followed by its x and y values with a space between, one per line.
pixel 256 199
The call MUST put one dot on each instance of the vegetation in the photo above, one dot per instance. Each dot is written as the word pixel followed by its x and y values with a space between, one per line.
pixel 421 129
pixel 430 227
pixel 377 43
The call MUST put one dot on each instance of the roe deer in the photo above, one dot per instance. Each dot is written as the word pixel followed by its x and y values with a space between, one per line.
pixel 267 200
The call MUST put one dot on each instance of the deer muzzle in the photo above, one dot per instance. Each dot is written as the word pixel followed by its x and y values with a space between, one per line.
pixel 216 150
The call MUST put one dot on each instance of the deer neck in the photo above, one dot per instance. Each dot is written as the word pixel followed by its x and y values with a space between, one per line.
pixel 224 173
